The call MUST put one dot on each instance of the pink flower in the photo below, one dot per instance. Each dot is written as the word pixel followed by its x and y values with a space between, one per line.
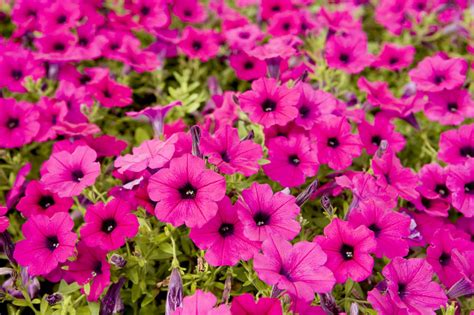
pixel 247 67
pixel 271 7
pixel 18 123
pixel 243 37
pixel 449 107
pixel 108 225
pixel 391 229
pixel 48 242
pixel 378 93
pixel 457 146
pixel 38 200
pixel 59 16
pixel 285 23
pixel 152 154
pixel 433 74
pixel 298 269
pixel 190 11
pixel 111 94
pixel 155 115
pixel 199 44
pixel 292 160
pixel 460 182
pixel 244 304
pixel 15 67
pixel 90 267
pixel 348 52
pixel 312 104
pixel 337 146
pixel 4 222
pixel 51 113
pixel 394 57
pixel 270 104
pixel 382 129
pixel 223 237
pixel 348 250
pixel 230 154
pixel 410 286
pixel 201 303
pixel 186 192
pixel 433 182
pixel 67 174
pixel 264 213
pixel 57 46
pixel 152 14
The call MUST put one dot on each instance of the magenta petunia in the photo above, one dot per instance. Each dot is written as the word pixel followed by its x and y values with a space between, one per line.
pixel 90 267
pixel 372 135
pixel 223 237
pixel 108 225
pixel 245 305
pixel 48 242
pixel 449 107
pixel 460 182
pixel 269 103
pixel 264 213
pixel 336 145
pixel 292 160
pixel 16 67
pixel 51 113
pixel 67 174
pixel 312 104
pixel 243 37
pixel 186 192
pixel 247 67
pixel 433 182
pixel 190 11
pixel 110 93
pixel 391 229
pixel 348 250
pixel 18 123
pixel 433 74
pixel 38 200
pixel 199 44
pixel 4 222
pixel 201 303
pixel 155 115
pixel 229 153
pixel 457 145
pixel 299 269
pixel 394 57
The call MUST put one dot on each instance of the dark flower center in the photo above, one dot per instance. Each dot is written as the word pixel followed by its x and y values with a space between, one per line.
pixel 442 190
pixel 374 228
pixel 52 242
pixel 276 8
pixel 187 13
pixel 248 65
pixel 59 47
pixel 108 225
pixel 196 45
pixel 61 19
pixel 393 60
pixel 304 111
pixel 344 58
pixel 107 94
pixel 145 10
pixel 13 123
pixel 268 105
pixel 285 274
pixel 17 74
pixel 83 41
pixel 333 142
pixel 84 79
pixel 226 229
pixel 426 202
pixel 286 26
pixel 402 288
pixel 46 201
pixel 469 188
pixel 467 151
pixel 114 46
pixel 225 157
pixel 244 35
pixel 438 79
pixel 98 268
pixel 187 191
pixel 77 175
pixel 347 252
pixel 453 107
pixel 376 140
pixel 261 218
pixel 444 259
pixel 294 160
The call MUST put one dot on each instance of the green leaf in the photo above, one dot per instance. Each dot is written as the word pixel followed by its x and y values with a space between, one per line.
pixel 66 289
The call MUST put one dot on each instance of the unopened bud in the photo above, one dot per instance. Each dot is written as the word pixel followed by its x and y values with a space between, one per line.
pixel 174 297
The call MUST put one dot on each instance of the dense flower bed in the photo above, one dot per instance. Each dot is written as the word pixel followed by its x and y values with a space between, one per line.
pixel 236 157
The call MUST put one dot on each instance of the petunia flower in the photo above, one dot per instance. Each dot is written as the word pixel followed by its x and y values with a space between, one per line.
pixel 460 182
pixel 378 93
pixel 108 225
pixel 19 186
pixel 298 269
pixel 38 200
pixel 201 303
pixel 186 192
pixel 18 123
pixel 56 47
pixel 268 103
pixel 151 154
pixel 199 44
pixel 348 250
pixel 247 67
pixel 336 145
pixel 449 107
pixel 67 174
pixel 225 150
pixel 313 104
pixel 382 129
pixel 264 213
pixel 292 160
pixel 271 7
pixel 243 37
pixel 463 262
pixel 59 16
pixel 410 286
pixel 391 229
pixel 433 182
pixel 190 11
pixel 456 146
pixel 244 304
pixel 90 267
pixel 394 57
pixel 111 94
pixel 4 222
pixel 75 99
pixel 284 23
pixel 151 14
pixel 434 74
pixel 48 242
pixel 223 237
pixel 155 115
pixel 16 67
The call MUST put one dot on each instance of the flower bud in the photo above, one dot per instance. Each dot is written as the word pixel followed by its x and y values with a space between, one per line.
pixel 174 297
